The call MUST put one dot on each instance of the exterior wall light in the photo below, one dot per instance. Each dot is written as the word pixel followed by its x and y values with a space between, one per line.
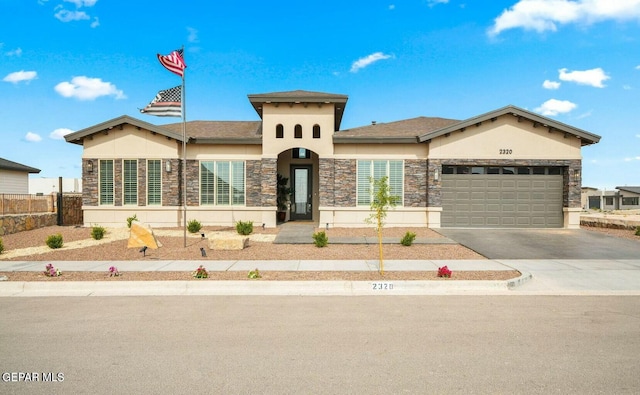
pixel 167 166
pixel 90 166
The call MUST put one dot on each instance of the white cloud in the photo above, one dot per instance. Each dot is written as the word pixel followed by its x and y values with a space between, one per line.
pixel 83 3
pixel 550 84
pixel 546 15
pixel 638 67
pixel 632 159
pixel 59 134
pixel 594 77
pixel 367 61
pixel 85 88
pixel 68 16
pixel 638 136
pixel 32 137
pixel 15 52
pixel 96 22
pixel 433 3
pixel 20 76
pixel 392 6
pixel 555 107
pixel 193 35
pixel 626 87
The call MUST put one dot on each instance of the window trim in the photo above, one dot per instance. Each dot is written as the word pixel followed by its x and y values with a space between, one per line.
pixel 232 170
pixel 126 182
pixel 101 182
pixel 148 180
pixel 316 131
pixel 374 166
pixel 279 131
pixel 297 131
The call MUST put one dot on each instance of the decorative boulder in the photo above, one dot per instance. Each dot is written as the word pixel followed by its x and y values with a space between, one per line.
pixel 238 242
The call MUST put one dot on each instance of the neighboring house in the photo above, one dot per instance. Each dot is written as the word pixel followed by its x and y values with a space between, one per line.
pixel 623 198
pixel 506 168
pixel 48 185
pixel 14 177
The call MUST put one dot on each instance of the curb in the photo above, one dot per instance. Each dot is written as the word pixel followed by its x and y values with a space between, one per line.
pixel 258 288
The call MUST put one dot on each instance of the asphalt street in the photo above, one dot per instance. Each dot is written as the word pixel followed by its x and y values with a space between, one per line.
pixel 332 345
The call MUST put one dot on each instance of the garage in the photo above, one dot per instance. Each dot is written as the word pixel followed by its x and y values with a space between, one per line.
pixel 502 196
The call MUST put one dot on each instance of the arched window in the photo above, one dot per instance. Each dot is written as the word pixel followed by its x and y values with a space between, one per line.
pixel 279 131
pixel 297 132
pixel 316 131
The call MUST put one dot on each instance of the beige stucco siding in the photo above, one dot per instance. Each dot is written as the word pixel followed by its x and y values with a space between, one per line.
pixel 14 182
pixel 130 143
pixel 213 152
pixel 505 138
pixel 298 114
pixel 381 151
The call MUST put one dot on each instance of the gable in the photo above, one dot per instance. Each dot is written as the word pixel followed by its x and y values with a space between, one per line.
pixel 505 137
pixel 129 141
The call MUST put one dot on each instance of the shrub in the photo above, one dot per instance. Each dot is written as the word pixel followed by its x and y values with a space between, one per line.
pixel 408 239
pixel 320 239
pixel 244 228
pixel 444 272
pixel 637 234
pixel 131 219
pixel 113 272
pixel 55 241
pixel 51 271
pixel 1 246
pixel 194 226
pixel 98 232
pixel 200 272
pixel 253 274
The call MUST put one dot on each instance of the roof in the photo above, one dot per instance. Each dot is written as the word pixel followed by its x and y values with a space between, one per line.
pixel 537 120
pixel 210 132
pixel 9 165
pixel 629 189
pixel 405 131
pixel 300 96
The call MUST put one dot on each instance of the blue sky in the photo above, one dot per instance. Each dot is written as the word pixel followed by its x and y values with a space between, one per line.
pixel 70 64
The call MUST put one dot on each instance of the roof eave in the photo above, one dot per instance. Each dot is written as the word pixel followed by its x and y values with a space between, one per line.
pixel 228 141
pixel 105 127
pixel 585 137
pixel 375 140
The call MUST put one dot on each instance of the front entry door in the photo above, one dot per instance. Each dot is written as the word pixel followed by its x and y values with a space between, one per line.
pixel 301 198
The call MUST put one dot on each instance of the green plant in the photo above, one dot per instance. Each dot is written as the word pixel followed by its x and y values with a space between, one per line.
pixel 131 219
pixel 98 232
pixel 637 234
pixel 253 274
pixel 51 271
pixel 200 272
pixel 320 239
pixel 382 200
pixel 244 228
pixel 283 193
pixel 55 241
pixel 408 239
pixel 194 226
pixel 1 246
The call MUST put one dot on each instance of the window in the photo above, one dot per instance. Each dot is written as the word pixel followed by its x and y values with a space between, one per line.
pixel 316 131
pixel 608 201
pixel 106 181
pixel 154 182
pixel 130 181
pixel 630 201
pixel 279 131
pixel 300 153
pixel 376 169
pixel 222 183
pixel 297 132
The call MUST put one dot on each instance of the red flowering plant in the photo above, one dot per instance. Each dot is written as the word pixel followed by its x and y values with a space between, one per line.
pixel 200 272
pixel 113 271
pixel 444 272
pixel 51 271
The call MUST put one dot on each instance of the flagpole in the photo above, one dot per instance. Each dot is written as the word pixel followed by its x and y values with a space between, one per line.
pixel 184 160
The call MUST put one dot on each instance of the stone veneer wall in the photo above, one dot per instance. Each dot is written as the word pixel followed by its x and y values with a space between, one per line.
pixel 171 183
pixel 415 183
pixel 253 183
pixel 268 181
pixel 193 182
pixel 327 182
pixel 89 183
pixel 117 182
pixel 345 183
pixel 10 224
pixel 142 182
pixel 571 175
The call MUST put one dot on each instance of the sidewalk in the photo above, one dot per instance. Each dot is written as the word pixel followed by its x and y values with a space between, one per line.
pixel 539 277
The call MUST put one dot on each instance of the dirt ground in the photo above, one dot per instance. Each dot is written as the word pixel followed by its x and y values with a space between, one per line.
pixel 79 246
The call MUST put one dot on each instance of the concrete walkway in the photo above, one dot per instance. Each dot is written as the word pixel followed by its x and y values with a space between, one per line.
pixel 539 277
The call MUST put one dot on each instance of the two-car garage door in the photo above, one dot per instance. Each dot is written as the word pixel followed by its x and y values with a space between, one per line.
pixel 502 200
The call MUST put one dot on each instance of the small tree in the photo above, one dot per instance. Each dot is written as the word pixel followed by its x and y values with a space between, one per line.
pixel 382 200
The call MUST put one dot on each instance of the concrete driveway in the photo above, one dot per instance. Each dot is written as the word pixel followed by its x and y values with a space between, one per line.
pixel 543 243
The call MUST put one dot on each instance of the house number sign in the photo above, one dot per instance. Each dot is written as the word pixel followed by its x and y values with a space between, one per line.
pixel 505 151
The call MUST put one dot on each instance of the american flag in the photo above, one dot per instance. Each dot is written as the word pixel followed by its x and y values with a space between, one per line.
pixel 173 62
pixel 167 103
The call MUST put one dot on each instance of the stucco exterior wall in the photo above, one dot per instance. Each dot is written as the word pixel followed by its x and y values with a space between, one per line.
pixel 16 182
pixel 130 143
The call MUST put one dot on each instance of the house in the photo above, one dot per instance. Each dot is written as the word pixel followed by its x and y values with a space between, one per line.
pixel 505 168
pixel 622 198
pixel 49 185
pixel 14 177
